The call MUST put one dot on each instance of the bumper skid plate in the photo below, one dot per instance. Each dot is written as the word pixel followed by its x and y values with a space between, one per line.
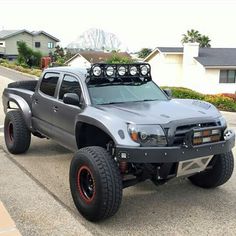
pixel 193 166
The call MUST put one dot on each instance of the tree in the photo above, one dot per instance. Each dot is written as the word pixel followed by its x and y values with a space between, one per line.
pixel 193 36
pixel 27 56
pixel 144 52
pixel 116 58
pixel 204 42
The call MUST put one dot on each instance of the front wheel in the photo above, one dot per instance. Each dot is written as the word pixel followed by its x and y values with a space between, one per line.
pixel 220 170
pixel 95 183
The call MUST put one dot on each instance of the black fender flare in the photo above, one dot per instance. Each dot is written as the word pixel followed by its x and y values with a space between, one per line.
pixel 22 104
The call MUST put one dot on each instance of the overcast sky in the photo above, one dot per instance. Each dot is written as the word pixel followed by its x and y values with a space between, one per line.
pixel 137 23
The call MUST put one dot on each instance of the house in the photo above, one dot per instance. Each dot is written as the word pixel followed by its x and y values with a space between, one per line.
pixel 86 58
pixel 206 70
pixel 37 40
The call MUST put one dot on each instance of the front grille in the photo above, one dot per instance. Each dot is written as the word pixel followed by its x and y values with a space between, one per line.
pixel 182 130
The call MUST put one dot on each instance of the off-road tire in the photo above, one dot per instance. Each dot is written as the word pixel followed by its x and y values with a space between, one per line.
pixel 106 183
pixel 220 173
pixel 17 135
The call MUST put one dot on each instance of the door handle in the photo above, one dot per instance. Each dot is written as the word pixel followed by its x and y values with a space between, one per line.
pixel 55 108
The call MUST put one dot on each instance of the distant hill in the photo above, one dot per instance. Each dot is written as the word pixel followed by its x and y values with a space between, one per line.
pixel 97 39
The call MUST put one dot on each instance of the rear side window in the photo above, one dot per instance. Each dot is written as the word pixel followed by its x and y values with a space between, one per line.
pixel 70 84
pixel 49 83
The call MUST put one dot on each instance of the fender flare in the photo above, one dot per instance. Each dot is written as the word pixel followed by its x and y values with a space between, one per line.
pixel 23 106
pixel 91 121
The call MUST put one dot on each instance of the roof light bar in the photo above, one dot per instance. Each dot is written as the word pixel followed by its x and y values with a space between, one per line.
pixel 121 70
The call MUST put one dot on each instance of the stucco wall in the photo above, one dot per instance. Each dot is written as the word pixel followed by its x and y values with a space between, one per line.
pixel 212 78
pixel 44 40
pixel 167 69
pixel 11 43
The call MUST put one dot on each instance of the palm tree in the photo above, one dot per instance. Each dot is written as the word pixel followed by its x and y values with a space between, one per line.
pixel 204 42
pixel 192 36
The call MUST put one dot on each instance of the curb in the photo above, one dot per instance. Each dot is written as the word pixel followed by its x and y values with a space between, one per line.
pixel 22 73
pixel 7 225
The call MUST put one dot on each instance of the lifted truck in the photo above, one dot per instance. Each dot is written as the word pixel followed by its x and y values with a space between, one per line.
pixel 123 129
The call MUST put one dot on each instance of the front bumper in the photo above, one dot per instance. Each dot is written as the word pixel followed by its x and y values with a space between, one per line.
pixel 173 154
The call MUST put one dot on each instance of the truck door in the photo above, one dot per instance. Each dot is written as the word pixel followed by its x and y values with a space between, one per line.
pixel 43 103
pixel 64 115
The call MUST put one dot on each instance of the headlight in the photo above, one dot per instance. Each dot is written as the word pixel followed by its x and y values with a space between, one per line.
pixel 144 70
pixel 110 71
pixel 147 135
pixel 97 71
pixel 133 70
pixel 121 70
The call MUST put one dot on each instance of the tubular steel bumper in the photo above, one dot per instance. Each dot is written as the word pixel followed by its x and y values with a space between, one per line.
pixel 174 154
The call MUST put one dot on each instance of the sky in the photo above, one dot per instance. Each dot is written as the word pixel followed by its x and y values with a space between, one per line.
pixel 137 23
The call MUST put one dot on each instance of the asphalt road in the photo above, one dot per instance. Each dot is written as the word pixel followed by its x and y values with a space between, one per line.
pixel 35 189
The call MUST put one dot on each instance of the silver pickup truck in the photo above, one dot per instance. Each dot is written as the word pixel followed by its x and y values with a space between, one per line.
pixel 123 129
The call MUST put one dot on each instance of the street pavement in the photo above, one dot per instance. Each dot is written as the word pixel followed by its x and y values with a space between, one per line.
pixel 35 189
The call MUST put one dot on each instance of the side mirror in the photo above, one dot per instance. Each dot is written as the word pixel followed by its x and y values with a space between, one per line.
pixel 71 99
pixel 168 92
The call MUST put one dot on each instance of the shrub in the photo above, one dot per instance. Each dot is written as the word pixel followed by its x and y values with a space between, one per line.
pixel 221 102
pixel 179 92
pixel 225 102
pixel 27 57
pixel 229 95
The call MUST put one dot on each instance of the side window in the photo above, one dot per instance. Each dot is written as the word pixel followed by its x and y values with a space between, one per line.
pixel 49 83
pixel 69 85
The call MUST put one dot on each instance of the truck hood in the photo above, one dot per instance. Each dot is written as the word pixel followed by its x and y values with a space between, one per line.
pixel 162 112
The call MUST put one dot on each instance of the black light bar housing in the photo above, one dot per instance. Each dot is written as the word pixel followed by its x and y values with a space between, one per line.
pixel 116 75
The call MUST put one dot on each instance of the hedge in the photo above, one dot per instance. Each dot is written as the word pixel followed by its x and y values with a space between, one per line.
pixel 224 102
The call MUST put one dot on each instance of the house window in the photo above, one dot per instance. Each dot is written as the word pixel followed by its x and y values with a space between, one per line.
pixel 50 45
pixel 37 44
pixel 227 76
pixel 1 44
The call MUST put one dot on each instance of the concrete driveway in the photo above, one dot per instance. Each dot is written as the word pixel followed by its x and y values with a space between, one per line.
pixel 35 189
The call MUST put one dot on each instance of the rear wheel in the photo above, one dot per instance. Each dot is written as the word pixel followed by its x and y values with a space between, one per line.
pixel 220 171
pixel 17 135
pixel 96 183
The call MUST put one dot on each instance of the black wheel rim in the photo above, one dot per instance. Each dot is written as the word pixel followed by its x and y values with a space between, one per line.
pixel 86 184
pixel 10 132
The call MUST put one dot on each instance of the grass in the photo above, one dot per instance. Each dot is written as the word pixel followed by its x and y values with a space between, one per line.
pixel 14 66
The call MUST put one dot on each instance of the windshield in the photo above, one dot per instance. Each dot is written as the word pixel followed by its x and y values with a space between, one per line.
pixel 110 93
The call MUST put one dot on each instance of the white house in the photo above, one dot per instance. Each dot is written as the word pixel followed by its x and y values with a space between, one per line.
pixel 86 58
pixel 206 70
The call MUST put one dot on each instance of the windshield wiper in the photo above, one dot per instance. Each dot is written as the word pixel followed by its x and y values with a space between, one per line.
pixel 147 100
pixel 110 103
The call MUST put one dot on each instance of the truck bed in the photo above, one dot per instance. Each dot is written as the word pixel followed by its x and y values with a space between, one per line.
pixel 25 84
pixel 23 89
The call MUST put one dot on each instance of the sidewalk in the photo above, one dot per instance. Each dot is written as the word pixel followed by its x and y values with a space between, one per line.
pixel 34 210
pixel 7 225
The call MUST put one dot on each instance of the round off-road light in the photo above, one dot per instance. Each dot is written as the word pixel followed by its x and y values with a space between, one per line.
pixel 133 70
pixel 97 71
pixel 121 70
pixel 144 70
pixel 110 71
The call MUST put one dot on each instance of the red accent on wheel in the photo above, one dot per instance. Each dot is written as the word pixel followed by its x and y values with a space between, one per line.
pixel 10 132
pixel 86 184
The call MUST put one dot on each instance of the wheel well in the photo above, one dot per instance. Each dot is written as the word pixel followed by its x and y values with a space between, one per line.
pixel 90 135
